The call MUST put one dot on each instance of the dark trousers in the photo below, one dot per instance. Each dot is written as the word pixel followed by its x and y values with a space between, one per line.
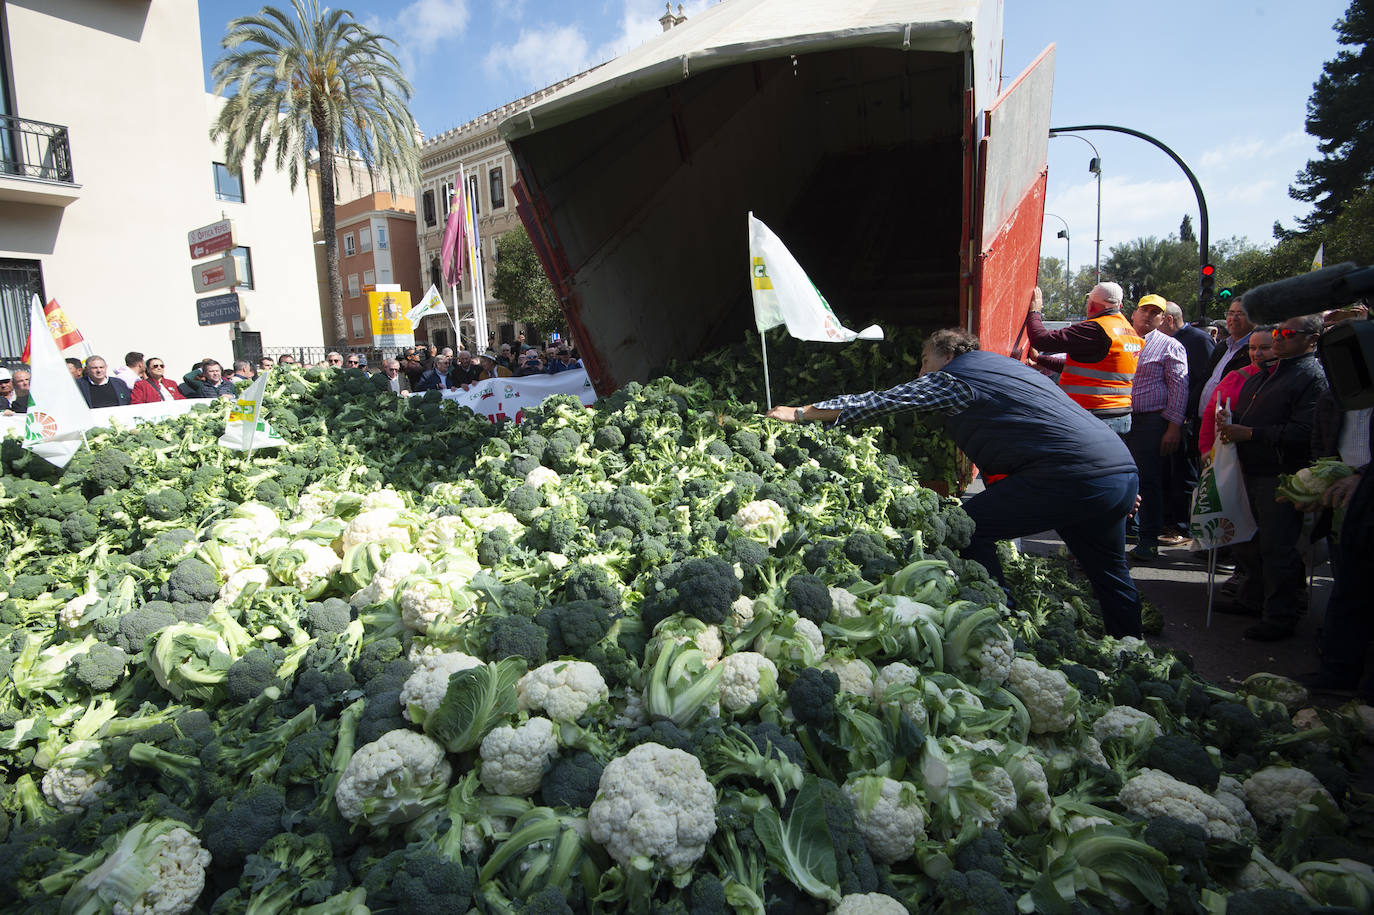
pixel 1180 479
pixel 1147 431
pixel 1349 619
pixel 1089 515
pixel 1275 577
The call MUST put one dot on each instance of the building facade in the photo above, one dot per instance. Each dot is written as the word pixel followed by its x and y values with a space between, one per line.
pixel 376 237
pixel 490 169
pixel 107 166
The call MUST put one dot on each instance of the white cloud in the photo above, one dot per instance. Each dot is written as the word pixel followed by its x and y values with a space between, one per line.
pixel 540 58
pixel 426 23
pixel 1130 209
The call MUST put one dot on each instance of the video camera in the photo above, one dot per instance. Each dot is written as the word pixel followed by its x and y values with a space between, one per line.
pixel 1346 350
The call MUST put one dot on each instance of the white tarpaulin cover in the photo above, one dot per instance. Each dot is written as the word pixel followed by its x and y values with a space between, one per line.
pixel 509 398
pixel 737 31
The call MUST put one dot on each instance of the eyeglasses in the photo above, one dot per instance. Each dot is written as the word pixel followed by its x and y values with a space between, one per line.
pixel 336 362
pixel 352 362
pixel 154 365
pixel 1284 333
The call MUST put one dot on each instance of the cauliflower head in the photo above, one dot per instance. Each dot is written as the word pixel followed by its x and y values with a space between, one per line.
pixel 888 815
pixel 749 678
pixel 1125 721
pixel 514 758
pixel 869 904
pixel 856 677
pixel 1152 793
pixel 654 802
pixel 900 682
pixel 563 689
pixel 763 520
pixel 427 684
pixel 1276 792
pixel 1048 697
pixel 394 779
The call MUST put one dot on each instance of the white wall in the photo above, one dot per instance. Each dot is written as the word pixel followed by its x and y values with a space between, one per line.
pixel 126 79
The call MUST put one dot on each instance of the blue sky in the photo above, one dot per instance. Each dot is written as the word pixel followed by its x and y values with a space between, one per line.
pixel 1223 82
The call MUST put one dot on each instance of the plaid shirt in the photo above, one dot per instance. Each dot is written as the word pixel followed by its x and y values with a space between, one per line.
pixel 1161 378
pixel 938 392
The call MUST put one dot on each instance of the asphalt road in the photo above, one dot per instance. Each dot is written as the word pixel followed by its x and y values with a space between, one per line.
pixel 1177 585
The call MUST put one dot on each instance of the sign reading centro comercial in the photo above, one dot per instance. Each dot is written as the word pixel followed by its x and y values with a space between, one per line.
pixel 219 309
pixel 215 238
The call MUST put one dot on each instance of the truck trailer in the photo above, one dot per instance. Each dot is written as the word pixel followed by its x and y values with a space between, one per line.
pixel 876 138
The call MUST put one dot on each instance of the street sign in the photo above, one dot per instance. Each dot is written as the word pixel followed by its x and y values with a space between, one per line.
pixel 215 274
pixel 219 309
pixel 215 238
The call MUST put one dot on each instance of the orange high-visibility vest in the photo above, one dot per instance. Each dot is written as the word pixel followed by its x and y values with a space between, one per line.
pixel 1104 388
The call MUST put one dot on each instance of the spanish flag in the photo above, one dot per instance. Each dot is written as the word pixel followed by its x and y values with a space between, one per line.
pixel 64 334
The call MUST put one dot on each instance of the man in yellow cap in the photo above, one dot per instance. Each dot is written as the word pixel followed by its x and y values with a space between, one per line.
pixel 1159 403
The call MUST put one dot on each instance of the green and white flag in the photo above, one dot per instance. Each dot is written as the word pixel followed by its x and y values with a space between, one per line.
pixel 784 294
pixel 57 417
pixel 246 429
pixel 431 304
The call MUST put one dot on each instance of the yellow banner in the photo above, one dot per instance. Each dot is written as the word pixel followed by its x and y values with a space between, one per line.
pixel 387 311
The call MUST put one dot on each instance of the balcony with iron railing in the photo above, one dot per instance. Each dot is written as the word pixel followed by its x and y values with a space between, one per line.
pixel 36 163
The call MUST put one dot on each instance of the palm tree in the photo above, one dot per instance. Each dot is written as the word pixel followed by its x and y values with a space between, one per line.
pixel 319 81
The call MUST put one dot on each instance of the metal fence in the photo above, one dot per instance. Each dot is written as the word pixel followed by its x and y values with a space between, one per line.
pixel 35 149
pixel 314 355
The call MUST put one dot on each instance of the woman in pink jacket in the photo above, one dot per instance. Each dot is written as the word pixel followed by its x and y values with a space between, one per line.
pixel 1261 356
pixel 155 387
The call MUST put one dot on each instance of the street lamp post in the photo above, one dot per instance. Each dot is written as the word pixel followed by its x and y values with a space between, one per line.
pixel 1095 167
pixel 1068 271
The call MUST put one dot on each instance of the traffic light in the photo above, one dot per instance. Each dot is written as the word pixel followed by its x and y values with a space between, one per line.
pixel 1225 295
pixel 1209 277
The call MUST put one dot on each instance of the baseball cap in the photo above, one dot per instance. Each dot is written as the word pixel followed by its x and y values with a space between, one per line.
pixel 1153 301
pixel 6 375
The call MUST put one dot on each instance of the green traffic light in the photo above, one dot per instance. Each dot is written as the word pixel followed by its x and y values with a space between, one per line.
pixel 1225 294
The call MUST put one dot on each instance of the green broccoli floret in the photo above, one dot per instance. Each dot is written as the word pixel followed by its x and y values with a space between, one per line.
pixel 517 637
pixel 749 555
pixel 1184 843
pixel 192 580
pixel 609 438
pixel 100 668
pixel 237 825
pixel 1184 759
pixel 809 597
pixel 30 587
pixel 574 627
pixel 548 901
pixel 663 732
pixel 286 872
pixel 523 501
pixel 495 547
pixel 701 586
pixel 811 696
pixel 131 631
pixel 331 615
pixel 623 507
pixel 973 891
pixel 323 680
pixel 105 469
pixel 867 551
pixel 571 781
pixel 375 657
pixel 163 548
pixel 580 581
pixel 164 504
pixel 254 672
pixel 959 527
pixel 1084 679
pixel 559 528
pixel 419 879
pixel 984 852
pixel 79 530
pixel 857 871
pixel 1233 727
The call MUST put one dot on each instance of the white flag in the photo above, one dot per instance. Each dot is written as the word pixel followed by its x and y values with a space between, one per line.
pixel 783 294
pixel 57 416
pixel 431 304
pixel 246 429
pixel 1317 261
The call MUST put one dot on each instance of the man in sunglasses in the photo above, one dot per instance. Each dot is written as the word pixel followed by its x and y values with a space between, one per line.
pixel 1272 428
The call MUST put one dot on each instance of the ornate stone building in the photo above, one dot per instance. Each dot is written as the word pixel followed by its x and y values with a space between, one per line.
pixel 490 170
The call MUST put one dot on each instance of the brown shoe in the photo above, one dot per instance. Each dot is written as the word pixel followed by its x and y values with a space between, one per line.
pixel 1173 539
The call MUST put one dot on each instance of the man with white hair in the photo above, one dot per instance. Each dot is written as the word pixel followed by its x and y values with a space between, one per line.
pixel 1099 358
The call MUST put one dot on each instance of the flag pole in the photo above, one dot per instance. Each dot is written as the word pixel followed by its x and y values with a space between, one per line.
pixel 453 318
pixel 767 385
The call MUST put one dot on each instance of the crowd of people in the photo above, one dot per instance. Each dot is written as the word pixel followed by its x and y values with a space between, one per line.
pixel 1101 434
pixel 143 379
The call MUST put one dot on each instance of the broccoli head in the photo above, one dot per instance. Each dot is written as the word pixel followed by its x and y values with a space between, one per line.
pixel 331 615
pixel 164 504
pixel 100 668
pixel 973 891
pixel 809 597
pixel 574 627
pixel 418 878
pixel 517 637
pixel 1183 758
pixel 702 586
pixel 571 781
pixel 192 580
pixel 254 672
pixel 812 694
